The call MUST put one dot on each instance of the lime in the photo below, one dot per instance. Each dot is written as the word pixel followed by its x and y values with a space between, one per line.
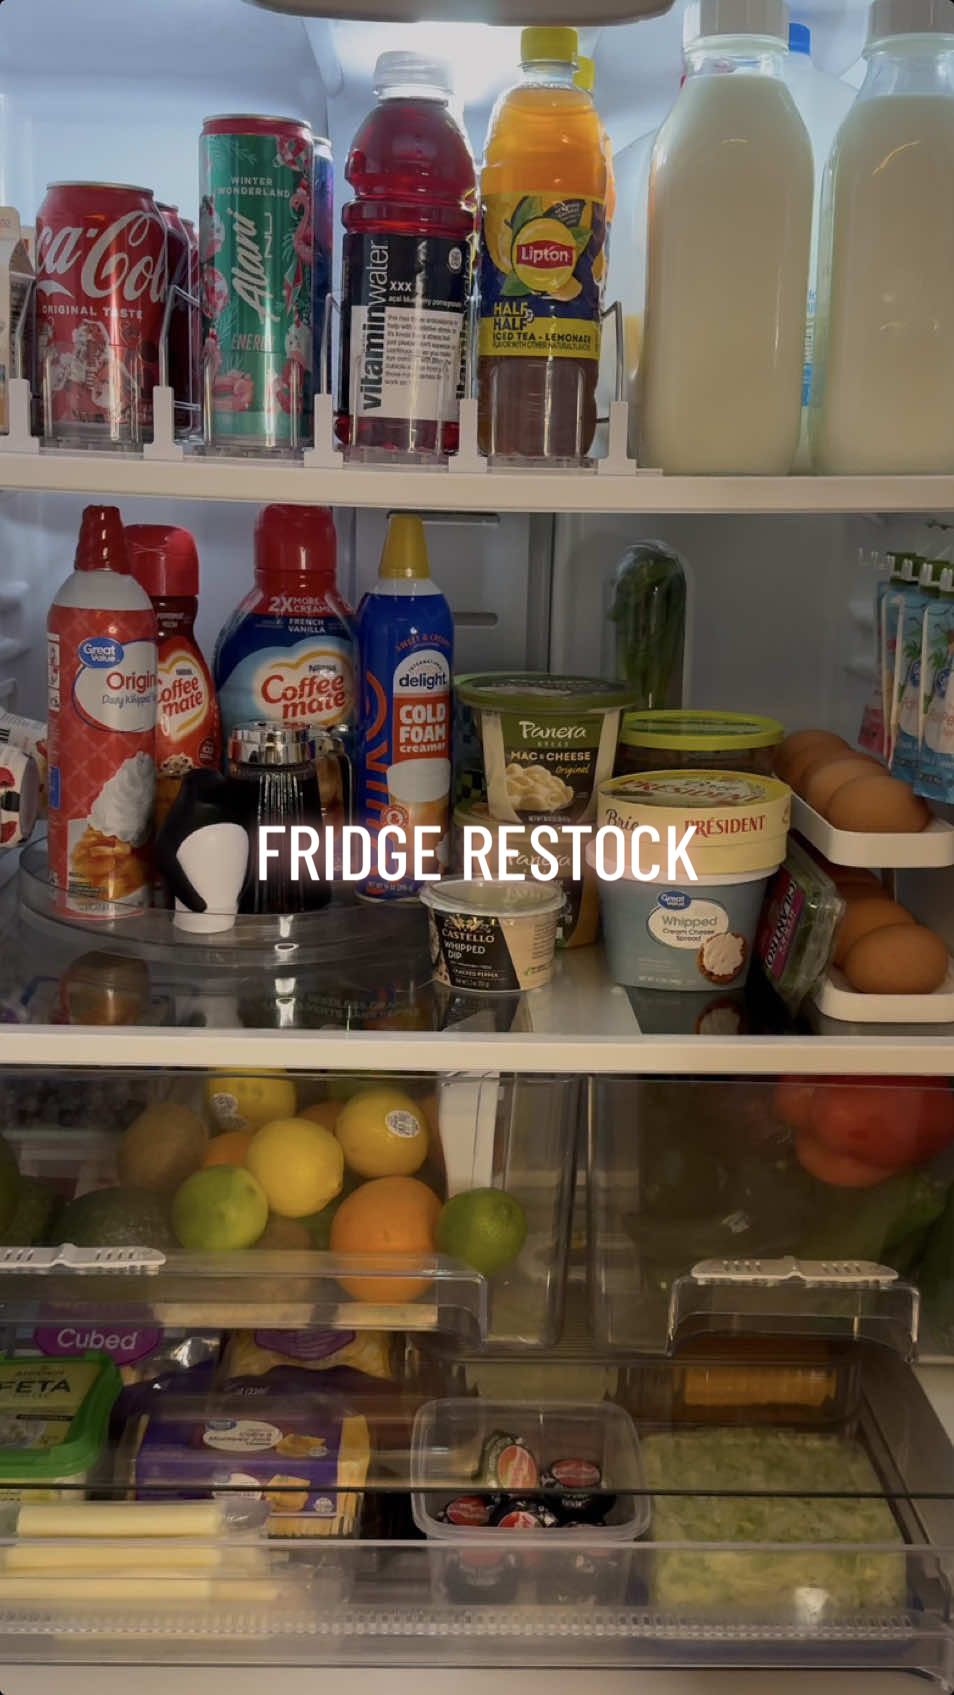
pixel 219 1209
pixel 34 1212
pixel 242 1100
pixel 299 1165
pixel 486 1228
pixel 383 1133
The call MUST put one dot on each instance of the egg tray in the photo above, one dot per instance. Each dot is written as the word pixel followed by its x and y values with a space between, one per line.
pixel 836 999
pixel 928 849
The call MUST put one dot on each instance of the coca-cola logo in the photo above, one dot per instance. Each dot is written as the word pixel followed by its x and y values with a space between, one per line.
pixel 127 259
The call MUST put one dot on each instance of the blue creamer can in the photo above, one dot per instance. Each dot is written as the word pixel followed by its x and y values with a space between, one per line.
pixel 404 633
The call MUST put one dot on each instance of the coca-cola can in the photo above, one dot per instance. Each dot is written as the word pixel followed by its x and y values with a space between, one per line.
pixel 101 269
pixel 179 344
pixel 195 314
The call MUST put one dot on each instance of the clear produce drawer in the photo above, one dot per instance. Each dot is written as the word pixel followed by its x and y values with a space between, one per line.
pixel 685 1170
pixel 732 1506
pixel 360 1201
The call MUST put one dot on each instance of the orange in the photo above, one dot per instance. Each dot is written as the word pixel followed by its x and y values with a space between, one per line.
pixel 324 1113
pixel 392 1216
pixel 229 1149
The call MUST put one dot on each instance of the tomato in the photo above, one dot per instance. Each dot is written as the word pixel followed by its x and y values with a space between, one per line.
pixel 841 1171
pixel 793 1100
pixel 894 1122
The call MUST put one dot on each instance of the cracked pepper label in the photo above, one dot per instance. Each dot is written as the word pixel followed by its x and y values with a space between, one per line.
pixel 542 268
pixel 403 304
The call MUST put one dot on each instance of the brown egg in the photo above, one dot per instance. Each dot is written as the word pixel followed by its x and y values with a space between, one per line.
pixel 905 959
pixel 801 742
pixel 877 803
pixel 852 881
pixel 826 776
pixel 867 913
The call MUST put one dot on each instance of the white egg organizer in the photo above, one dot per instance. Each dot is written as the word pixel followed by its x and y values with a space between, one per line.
pixel 929 849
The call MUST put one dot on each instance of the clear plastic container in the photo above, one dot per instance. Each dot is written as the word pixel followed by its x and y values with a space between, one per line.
pixel 719 741
pixel 884 366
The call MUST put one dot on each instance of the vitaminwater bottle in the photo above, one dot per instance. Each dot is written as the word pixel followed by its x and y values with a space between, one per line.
pixel 406 268
pixel 543 198
pixel 405 640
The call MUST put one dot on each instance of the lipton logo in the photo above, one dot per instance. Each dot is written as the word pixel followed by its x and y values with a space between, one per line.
pixel 101 652
pixel 546 255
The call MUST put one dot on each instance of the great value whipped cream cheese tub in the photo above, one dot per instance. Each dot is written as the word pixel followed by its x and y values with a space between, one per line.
pixel 491 937
pixel 536 747
pixel 739 819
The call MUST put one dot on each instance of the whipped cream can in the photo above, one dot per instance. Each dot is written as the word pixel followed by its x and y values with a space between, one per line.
pixel 101 676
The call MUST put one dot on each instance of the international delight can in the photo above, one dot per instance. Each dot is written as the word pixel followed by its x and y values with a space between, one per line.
pixel 256 240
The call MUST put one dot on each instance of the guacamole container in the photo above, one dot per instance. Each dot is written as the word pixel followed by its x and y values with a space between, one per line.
pixel 536 747
pixel 723 741
pixel 54 1418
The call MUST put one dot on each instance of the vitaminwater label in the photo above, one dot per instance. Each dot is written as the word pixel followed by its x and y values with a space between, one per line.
pixel 101 676
pixel 403 303
pixel 405 770
pixel 541 277
pixel 187 721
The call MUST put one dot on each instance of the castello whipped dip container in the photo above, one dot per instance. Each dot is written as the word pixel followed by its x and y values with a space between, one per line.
pixel 101 692
pixel 492 937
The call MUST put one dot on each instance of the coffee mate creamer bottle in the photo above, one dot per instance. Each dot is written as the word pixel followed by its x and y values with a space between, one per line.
pixel 101 694
pixel 405 650
pixel 286 654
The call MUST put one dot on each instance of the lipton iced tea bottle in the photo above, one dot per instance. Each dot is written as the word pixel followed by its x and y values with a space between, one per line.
pixel 164 561
pixel 285 655
pixel 543 197
pixel 405 636
pixel 406 268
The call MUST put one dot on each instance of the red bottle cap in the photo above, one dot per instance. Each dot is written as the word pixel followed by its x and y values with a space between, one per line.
pixel 163 560
pixel 296 541
pixel 102 543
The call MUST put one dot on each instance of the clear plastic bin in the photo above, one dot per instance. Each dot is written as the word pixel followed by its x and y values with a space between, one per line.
pixel 493 1564
pixel 91 1222
pixel 682 1170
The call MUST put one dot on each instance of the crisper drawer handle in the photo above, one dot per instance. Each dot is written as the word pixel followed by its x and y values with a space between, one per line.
pixel 71 1258
pixel 838 1273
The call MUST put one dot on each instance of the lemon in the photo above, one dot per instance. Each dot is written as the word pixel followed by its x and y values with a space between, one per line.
pixel 486 1228
pixel 243 1100
pixel 219 1209
pixel 383 1133
pixel 299 1164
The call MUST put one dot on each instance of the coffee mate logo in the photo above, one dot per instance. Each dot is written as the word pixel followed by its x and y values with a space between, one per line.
pixel 544 256
pixel 249 273
pixel 317 688
pixel 128 259
pixel 183 701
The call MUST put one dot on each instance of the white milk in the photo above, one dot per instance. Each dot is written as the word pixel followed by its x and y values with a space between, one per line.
pixel 884 400
pixel 729 231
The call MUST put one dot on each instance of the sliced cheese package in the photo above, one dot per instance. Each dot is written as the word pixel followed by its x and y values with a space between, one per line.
pixel 306 1456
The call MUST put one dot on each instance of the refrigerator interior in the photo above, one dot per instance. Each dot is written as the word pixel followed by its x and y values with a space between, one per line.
pixel 632 1165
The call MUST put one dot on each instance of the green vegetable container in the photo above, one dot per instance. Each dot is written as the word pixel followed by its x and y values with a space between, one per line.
pixel 649 613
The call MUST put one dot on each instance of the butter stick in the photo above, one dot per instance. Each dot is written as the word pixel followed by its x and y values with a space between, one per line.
pixel 122 1518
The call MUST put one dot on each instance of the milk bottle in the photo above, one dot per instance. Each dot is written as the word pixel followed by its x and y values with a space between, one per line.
pixel 883 392
pixel 728 236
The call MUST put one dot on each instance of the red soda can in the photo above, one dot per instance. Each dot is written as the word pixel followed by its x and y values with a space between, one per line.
pixel 195 316
pixel 101 266
pixel 179 350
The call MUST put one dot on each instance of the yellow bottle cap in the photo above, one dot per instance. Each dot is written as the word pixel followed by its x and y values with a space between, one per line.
pixel 405 548
pixel 586 74
pixel 553 46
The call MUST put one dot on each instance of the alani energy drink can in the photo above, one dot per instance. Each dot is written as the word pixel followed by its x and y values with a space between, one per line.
pixel 256 241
